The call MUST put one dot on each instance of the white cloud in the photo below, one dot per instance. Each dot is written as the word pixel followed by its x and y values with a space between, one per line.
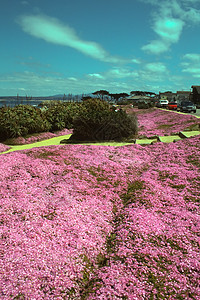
pixel 193 15
pixel 72 78
pixel 120 73
pixel 195 57
pixel 151 72
pixel 169 31
pixel 151 77
pixel 53 31
pixel 169 20
pixel 191 64
pixel 156 67
pixel 96 75
pixel 135 61
pixel 156 47
pixel 182 9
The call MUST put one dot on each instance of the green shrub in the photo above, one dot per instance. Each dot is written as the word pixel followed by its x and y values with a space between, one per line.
pixel 32 119
pixel 97 121
pixel 61 115
pixel 143 105
pixel 21 120
pixel 151 104
pixel 146 104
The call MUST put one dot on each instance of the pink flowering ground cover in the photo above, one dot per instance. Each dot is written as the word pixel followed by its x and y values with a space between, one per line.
pixel 161 122
pixel 3 148
pixel 96 222
pixel 39 137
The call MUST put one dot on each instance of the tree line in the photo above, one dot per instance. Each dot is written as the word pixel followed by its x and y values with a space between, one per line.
pixel 104 94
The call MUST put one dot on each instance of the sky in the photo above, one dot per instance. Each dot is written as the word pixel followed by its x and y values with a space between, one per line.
pixel 53 47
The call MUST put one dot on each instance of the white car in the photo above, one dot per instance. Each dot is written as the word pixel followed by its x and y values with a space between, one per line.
pixel 163 103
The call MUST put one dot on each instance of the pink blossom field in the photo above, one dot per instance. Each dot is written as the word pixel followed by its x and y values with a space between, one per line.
pixel 101 222
pixel 3 148
pixel 161 122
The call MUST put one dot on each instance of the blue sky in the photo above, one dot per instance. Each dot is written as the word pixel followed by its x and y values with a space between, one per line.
pixel 80 46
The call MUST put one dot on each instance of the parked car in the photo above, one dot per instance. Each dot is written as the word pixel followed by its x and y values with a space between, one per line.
pixel 162 103
pixel 187 106
pixel 172 105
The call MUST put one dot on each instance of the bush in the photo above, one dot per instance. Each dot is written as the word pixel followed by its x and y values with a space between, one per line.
pixel 21 120
pixel 61 115
pixel 143 105
pixel 97 121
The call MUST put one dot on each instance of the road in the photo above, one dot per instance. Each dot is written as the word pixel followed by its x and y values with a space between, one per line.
pixel 197 114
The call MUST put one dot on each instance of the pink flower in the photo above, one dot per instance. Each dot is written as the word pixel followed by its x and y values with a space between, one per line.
pixel 101 222
pixel 3 148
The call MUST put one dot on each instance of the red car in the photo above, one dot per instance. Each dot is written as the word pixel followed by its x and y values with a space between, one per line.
pixel 172 105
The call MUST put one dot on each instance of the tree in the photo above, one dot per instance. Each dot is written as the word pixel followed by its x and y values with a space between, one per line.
pixel 100 94
pixel 138 93
pixel 141 93
pixel 118 96
pixel 64 97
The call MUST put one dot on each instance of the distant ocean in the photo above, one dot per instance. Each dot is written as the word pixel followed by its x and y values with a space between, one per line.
pixel 35 101
pixel 13 103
